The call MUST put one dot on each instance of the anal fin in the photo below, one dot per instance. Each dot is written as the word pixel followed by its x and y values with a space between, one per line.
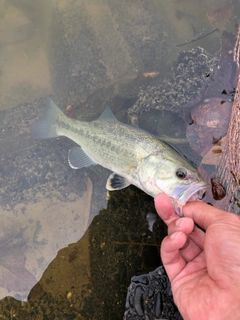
pixel 78 159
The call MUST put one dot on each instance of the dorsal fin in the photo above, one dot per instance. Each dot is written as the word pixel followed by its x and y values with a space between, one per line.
pixel 107 115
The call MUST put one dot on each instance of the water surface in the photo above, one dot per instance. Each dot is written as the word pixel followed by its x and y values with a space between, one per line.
pixel 69 250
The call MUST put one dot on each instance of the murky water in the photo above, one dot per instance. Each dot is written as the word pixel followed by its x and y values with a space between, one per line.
pixel 65 250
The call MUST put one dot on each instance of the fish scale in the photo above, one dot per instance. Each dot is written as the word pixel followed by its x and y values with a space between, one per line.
pixel 105 140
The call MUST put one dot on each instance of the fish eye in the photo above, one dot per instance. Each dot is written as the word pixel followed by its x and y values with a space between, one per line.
pixel 181 173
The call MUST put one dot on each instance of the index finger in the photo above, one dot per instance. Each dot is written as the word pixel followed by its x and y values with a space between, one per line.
pixel 202 213
pixel 165 208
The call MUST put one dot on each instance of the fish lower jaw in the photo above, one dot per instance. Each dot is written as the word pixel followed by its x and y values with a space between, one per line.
pixel 196 196
pixel 196 193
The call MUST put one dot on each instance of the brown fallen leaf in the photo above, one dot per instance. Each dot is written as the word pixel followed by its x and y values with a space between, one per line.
pixel 218 190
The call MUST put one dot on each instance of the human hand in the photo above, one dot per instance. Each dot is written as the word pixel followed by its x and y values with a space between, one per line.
pixel 203 267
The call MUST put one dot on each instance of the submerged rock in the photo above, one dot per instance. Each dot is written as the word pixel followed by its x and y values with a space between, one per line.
pixel 196 75
pixel 189 80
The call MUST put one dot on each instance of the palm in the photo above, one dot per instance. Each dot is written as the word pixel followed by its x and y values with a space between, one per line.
pixel 202 266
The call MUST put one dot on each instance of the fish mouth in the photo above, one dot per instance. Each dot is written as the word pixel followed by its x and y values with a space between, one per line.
pixel 195 192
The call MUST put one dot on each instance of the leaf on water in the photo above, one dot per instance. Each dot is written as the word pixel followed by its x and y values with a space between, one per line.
pixel 214 154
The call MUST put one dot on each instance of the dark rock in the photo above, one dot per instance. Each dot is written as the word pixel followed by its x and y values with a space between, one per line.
pixel 150 297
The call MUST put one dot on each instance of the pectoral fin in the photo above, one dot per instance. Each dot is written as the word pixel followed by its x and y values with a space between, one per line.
pixel 78 159
pixel 116 182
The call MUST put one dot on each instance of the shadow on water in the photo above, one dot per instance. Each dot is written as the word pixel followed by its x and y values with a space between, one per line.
pixel 60 238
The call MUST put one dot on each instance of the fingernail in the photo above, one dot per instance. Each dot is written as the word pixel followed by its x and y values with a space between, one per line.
pixel 174 235
pixel 179 222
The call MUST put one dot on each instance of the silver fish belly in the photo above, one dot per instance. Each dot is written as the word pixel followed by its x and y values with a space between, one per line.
pixel 133 155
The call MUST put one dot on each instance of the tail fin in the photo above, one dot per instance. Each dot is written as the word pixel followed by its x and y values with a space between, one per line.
pixel 46 126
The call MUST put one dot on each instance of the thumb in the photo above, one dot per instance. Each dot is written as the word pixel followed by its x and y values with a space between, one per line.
pixel 202 213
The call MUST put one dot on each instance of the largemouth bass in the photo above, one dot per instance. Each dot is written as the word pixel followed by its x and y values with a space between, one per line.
pixel 133 155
